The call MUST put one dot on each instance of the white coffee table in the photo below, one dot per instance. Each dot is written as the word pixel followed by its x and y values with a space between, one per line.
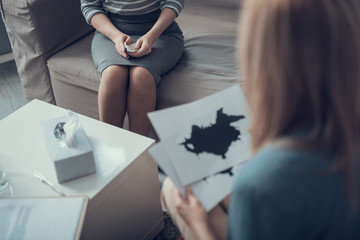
pixel 124 192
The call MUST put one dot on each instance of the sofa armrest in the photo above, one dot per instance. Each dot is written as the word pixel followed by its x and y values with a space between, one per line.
pixel 38 29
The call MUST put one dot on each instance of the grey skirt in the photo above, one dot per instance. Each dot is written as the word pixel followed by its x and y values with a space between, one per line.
pixel 165 53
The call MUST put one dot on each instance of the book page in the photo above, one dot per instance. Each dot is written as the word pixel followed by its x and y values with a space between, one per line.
pixel 56 218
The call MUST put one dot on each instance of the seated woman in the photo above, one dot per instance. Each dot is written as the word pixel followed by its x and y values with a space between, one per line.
pixel 300 58
pixel 129 76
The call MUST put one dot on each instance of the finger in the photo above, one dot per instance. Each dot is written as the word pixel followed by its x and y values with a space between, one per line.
pixel 128 39
pixel 119 49
pixel 123 50
pixel 121 44
pixel 138 53
pixel 179 201
pixel 138 44
pixel 179 195
pixel 124 54
pixel 191 198
pixel 134 54
pixel 189 192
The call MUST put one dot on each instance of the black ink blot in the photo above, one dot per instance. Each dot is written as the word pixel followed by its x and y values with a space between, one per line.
pixel 226 171
pixel 215 139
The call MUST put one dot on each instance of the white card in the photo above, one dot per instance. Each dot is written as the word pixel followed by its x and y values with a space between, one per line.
pixel 216 187
pixel 202 141
pixel 160 155
pixel 192 166
pixel 210 190
pixel 167 122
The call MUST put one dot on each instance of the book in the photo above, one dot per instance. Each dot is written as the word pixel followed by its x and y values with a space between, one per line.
pixel 42 217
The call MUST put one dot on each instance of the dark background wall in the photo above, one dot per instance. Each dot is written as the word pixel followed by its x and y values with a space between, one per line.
pixel 4 40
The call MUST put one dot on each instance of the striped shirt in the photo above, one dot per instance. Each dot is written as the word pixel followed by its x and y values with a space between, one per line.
pixel 128 7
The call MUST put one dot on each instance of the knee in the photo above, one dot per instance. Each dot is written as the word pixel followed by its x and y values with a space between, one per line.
pixel 114 78
pixel 141 78
pixel 166 194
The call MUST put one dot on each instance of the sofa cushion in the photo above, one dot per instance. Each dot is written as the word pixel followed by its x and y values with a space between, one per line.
pixel 74 79
pixel 226 10
pixel 74 65
pixel 208 64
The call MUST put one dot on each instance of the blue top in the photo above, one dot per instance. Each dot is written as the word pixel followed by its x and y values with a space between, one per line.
pixel 286 194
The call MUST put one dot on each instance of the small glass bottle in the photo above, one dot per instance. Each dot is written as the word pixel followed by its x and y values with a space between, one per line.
pixel 5 187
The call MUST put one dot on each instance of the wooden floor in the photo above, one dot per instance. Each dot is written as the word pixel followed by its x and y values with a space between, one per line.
pixel 12 94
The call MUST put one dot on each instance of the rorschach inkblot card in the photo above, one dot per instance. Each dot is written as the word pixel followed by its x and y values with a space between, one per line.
pixel 207 146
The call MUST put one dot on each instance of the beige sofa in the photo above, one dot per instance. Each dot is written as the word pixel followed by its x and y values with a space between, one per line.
pixel 51 46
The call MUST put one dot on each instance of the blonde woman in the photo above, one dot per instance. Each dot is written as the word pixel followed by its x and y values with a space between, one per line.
pixel 301 60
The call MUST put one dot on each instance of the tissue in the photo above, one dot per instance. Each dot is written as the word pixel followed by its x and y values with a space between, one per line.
pixel 68 147
pixel 65 131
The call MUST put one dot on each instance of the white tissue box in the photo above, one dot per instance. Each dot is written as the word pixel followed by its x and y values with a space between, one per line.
pixel 70 162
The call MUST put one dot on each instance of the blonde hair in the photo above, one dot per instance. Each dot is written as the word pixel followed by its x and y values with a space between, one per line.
pixel 301 61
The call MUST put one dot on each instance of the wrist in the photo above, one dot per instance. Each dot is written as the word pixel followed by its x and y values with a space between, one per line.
pixel 117 37
pixel 205 234
pixel 202 230
pixel 152 36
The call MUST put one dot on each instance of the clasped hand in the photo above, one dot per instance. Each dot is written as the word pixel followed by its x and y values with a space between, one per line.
pixel 143 46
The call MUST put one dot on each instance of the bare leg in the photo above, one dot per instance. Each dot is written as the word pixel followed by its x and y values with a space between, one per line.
pixel 141 99
pixel 112 95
